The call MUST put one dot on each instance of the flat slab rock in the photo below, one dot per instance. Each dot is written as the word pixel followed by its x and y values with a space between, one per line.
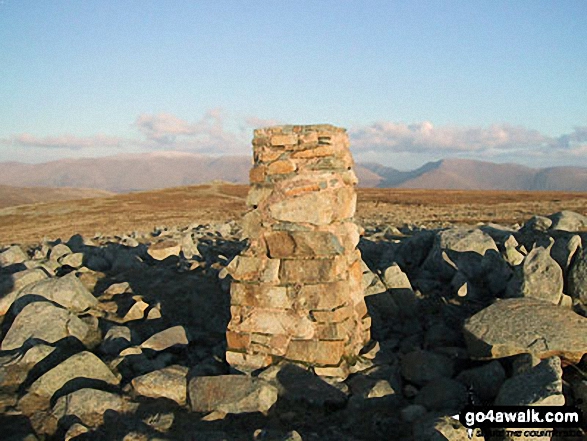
pixel 525 325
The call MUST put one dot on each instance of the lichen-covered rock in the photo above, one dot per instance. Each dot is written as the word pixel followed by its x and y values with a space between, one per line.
pixel 49 323
pixel 578 278
pixel 525 325
pixel 542 277
pixel 12 255
pixel 231 394
pixel 84 366
pixel 169 382
pixel 67 291
pixel 541 385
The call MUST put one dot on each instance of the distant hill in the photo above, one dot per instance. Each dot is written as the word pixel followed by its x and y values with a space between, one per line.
pixel 11 196
pixel 132 172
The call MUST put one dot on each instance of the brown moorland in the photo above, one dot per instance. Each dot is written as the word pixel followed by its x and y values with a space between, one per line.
pixel 221 202
pixel 11 196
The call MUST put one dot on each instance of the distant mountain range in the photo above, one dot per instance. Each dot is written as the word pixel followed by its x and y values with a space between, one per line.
pixel 132 172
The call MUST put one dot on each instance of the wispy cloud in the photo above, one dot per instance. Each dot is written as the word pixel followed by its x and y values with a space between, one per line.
pixel 207 135
pixel 215 133
pixel 425 137
pixel 69 142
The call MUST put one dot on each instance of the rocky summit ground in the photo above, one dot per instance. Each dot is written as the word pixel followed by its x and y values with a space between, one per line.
pixel 121 335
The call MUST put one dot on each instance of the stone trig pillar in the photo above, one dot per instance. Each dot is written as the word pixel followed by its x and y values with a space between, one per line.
pixel 296 292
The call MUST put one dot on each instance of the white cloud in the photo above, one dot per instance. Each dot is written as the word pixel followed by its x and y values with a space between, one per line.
pixel 208 135
pixel 69 142
pixel 425 137
pixel 384 141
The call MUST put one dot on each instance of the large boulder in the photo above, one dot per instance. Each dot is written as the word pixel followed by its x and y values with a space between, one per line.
pixel 231 394
pixel 578 278
pixel 12 255
pixel 169 382
pixel 20 279
pixel 88 406
pixel 526 325
pixel 15 368
pixel 84 367
pixel 564 249
pixel 541 385
pixel 422 367
pixel 541 277
pixel 67 291
pixel 568 221
pixel 49 323
pixel 484 381
pixel 459 249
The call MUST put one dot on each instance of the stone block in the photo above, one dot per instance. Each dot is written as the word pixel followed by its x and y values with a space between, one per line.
pixel 319 352
pixel 284 244
pixel 320 296
pixel 312 271
pixel 284 140
pixel 261 295
pixel 318 208
pixel 281 167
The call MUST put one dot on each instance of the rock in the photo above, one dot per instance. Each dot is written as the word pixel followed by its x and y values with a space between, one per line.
pixel 58 251
pixel 14 369
pixel 116 339
pixel 511 253
pixel 367 387
pixel 169 382
pixel 538 223
pixel 20 279
pixel 231 394
pixel 75 260
pixel 301 386
pixel 372 284
pixel 83 367
pixel 568 221
pixel 421 367
pixel 116 289
pixel 484 381
pixel 564 250
pixel 166 339
pixel 74 431
pixel 413 412
pixel 136 311
pixel 443 394
pixel 268 435
pixel 163 250
pixel 12 256
pixel 67 291
pixel 435 428
pixel 578 277
pixel 459 248
pixel 87 406
pixel 542 277
pixel 496 273
pixel 540 386
pixel 525 325
pixel 49 323
pixel 395 278
pixel 189 246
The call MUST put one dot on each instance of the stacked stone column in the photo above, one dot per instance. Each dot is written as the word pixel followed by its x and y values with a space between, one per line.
pixel 297 289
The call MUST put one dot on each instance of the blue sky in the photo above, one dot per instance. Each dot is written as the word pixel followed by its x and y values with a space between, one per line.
pixel 412 81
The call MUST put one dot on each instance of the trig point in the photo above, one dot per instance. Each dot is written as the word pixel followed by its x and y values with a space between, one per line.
pixel 297 291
